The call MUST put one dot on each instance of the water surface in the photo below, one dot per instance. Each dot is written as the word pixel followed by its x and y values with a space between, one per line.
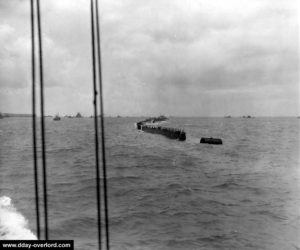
pixel 163 194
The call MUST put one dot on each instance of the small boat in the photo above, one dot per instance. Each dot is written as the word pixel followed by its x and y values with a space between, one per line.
pixel 56 118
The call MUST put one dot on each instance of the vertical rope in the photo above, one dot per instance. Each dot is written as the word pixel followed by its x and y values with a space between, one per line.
pixel 42 118
pixel 96 127
pixel 34 123
pixel 102 127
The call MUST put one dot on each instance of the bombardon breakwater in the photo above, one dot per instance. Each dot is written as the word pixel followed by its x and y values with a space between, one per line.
pixel 171 133
pixel 151 125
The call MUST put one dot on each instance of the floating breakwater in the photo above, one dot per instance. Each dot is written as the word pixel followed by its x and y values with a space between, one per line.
pixel 171 133
pixel 154 119
pixel 211 140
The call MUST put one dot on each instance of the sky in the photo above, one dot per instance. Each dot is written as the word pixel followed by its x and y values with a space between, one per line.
pixel 171 57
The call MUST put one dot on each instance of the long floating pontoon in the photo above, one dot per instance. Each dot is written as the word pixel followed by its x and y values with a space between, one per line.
pixel 211 140
pixel 171 133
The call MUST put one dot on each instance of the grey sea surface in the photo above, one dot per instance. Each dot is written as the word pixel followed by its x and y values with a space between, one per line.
pixel 162 193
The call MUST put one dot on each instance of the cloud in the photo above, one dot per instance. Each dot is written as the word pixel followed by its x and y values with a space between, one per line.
pixel 165 56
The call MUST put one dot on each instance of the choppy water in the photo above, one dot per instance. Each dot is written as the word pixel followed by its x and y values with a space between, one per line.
pixel 163 194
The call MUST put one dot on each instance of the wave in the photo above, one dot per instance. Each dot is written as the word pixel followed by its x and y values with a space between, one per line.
pixel 13 225
pixel 270 214
pixel 227 184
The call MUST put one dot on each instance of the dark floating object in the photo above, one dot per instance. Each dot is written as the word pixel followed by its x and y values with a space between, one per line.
pixel 171 133
pixel 139 125
pixel 211 140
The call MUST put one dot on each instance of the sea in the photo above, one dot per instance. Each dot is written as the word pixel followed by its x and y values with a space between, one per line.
pixel 163 194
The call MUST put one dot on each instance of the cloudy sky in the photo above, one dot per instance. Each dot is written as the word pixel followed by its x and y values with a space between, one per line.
pixel 172 57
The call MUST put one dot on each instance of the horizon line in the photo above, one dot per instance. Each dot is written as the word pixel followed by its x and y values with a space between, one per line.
pixel 169 116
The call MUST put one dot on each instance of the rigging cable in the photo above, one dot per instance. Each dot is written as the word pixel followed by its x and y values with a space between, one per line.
pixel 98 193
pixel 102 127
pixel 42 118
pixel 34 121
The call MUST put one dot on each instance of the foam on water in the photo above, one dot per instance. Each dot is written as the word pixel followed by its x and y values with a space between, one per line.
pixel 13 225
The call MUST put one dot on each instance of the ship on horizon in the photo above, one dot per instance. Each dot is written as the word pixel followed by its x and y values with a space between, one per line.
pixel 56 118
